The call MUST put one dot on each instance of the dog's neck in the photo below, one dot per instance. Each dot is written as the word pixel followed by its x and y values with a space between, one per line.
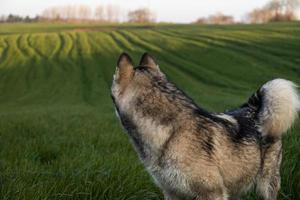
pixel 147 135
pixel 148 131
pixel 151 117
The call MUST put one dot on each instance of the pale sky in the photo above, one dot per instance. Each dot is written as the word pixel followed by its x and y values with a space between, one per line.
pixel 166 10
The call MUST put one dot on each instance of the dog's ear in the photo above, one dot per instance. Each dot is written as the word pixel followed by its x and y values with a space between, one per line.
pixel 148 61
pixel 124 67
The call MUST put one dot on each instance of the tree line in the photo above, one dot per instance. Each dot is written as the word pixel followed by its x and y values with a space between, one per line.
pixel 17 18
pixel 84 13
pixel 274 10
pixel 218 18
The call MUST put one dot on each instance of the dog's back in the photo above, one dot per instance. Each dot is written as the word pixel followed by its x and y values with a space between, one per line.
pixel 193 154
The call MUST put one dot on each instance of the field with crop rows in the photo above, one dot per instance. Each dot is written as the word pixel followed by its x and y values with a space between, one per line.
pixel 59 137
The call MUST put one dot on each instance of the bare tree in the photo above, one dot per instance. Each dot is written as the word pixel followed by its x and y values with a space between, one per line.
pixel 291 7
pixel 262 15
pixel 52 13
pixel 77 13
pixel 84 12
pixel 143 15
pixel 112 13
pixel 70 12
pixel 217 18
pixel 100 13
pixel 254 16
pixel 292 4
pixel 220 18
pixel 2 18
pixel 46 14
pixel 275 10
pixel 59 13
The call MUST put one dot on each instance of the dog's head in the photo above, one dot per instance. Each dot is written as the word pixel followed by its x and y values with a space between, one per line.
pixel 131 82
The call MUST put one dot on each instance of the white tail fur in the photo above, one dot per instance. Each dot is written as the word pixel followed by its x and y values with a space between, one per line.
pixel 280 104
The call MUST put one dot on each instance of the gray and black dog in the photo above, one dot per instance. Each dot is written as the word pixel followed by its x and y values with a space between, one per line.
pixel 194 154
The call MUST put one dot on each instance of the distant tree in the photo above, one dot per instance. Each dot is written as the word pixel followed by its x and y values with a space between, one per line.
pixel 79 13
pixel 50 13
pixel 36 18
pixel 100 13
pixel 67 13
pixel 112 13
pixel 143 15
pixel 275 10
pixel 2 18
pixel 11 18
pixel 84 12
pixel 27 19
pixel 55 13
pixel 290 8
pixel 291 4
pixel 253 16
pixel 201 20
pixel 259 16
pixel 14 18
pixel 220 19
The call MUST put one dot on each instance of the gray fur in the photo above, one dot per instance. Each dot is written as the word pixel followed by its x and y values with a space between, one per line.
pixel 191 153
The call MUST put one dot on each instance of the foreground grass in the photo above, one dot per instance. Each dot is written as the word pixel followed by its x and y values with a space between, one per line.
pixel 59 138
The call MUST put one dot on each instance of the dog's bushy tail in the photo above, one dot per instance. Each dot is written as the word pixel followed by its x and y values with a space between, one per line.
pixel 279 104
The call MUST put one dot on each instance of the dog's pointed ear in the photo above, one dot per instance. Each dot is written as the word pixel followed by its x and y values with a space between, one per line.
pixel 125 67
pixel 148 61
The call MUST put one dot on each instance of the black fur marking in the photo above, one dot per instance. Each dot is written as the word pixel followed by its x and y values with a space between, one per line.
pixel 247 118
pixel 208 144
pixel 131 129
pixel 141 68
pixel 255 101
pixel 268 141
pixel 206 140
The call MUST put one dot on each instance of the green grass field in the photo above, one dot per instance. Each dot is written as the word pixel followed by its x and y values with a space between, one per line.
pixel 59 137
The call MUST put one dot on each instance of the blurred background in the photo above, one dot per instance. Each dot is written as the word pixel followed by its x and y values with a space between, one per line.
pixel 141 11
pixel 59 136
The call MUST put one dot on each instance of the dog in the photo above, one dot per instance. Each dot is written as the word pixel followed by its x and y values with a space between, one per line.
pixel 195 154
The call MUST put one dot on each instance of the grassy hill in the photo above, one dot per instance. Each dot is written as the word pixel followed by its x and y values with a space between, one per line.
pixel 59 137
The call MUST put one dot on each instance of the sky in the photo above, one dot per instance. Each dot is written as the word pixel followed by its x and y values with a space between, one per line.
pixel 182 11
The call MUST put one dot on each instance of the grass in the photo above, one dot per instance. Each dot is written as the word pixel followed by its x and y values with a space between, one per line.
pixel 59 138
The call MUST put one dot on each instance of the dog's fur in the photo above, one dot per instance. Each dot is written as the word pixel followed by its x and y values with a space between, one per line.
pixel 194 154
